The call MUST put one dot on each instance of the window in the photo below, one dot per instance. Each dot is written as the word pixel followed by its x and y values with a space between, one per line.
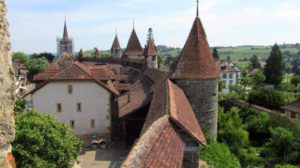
pixel 72 124
pixel 230 83
pixel 70 89
pixel 58 107
pixel 230 75
pixel 92 123
pixel 293 115
pixel 224 75
pixel 78 107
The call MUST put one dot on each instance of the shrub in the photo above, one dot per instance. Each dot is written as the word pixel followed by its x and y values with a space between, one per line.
pixel 218 155
pixel 41 141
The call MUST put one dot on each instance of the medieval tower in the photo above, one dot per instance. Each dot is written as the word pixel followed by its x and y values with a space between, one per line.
pixel 116 48
pixel 6 94
pixel 150 52
pixel 65 44
pixel 197 74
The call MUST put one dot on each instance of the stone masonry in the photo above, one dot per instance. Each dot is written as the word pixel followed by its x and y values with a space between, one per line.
pixel 203 97
pixel 6 93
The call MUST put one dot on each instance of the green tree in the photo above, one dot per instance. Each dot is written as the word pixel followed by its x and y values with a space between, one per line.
pixel 19 105
pixel 285 166
pixel 231 131
pixel 41 141
pixel 268 98
pixel 282 147
pixel 35 65
pixel 49 56
pixel 215 53
pixel 258 128
pixel 274 67
pixel 254 62
pixel 218 155
pixel 258 79
pixel 295 80
pixel 244 81
pixel 20 56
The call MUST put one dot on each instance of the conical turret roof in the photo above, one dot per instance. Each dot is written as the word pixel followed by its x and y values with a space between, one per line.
pixel 196 60
pixel 134 47
pixel 116 43
pixel 150 50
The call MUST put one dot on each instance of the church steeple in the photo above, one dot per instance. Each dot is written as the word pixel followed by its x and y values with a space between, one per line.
pixel 65 34
pixel 197 8
pixel 65 44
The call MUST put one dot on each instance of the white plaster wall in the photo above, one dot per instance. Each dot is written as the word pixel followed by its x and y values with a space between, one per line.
pixel 234 79
pixel 94 99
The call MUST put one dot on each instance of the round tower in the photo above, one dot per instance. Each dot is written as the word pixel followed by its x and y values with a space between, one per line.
pixel 197 74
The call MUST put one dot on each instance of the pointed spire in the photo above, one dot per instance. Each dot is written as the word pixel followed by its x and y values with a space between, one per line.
pixel 134 47
pixel 65 35
pixel 197 8
pixel 196 60
pixel 133 23
pixel 116 43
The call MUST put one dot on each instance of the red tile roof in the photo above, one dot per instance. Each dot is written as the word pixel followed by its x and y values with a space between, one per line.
pixel 196 60
pixel 150 50
pixel 157 108
pixel 116 44
pixel 134 47
pixel 135 99
pixel 182 113
pixel 75 71
pixel 50 71
pixel 159 147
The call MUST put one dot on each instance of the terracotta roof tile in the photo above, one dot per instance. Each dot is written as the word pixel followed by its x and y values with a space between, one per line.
pixel 116 43
pixel 50 71
pixel 150 50
pixel 159 147
pixel 134 47
pixel 155 75
pixel 196 60
pixel 74 71
pixel 133 100
pixel 182 113
pixel 157 108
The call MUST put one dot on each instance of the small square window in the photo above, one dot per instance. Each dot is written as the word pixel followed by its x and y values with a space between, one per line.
pixel 224 75
pixel 70 89
pixel 79 107
pixel 58 108
pixel 72 124
pixel 92 123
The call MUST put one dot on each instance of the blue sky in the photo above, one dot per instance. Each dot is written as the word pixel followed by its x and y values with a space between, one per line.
pixel 35 24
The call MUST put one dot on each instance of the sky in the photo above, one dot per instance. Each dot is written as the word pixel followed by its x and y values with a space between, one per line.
pixel 35 24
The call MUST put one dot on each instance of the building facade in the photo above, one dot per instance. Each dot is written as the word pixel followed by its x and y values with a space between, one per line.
pixel 230 75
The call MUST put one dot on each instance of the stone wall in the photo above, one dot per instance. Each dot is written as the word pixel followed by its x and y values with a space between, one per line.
pixel 203 97
pixel 6 91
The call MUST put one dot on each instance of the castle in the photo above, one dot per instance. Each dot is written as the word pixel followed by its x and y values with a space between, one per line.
pixel 126 97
